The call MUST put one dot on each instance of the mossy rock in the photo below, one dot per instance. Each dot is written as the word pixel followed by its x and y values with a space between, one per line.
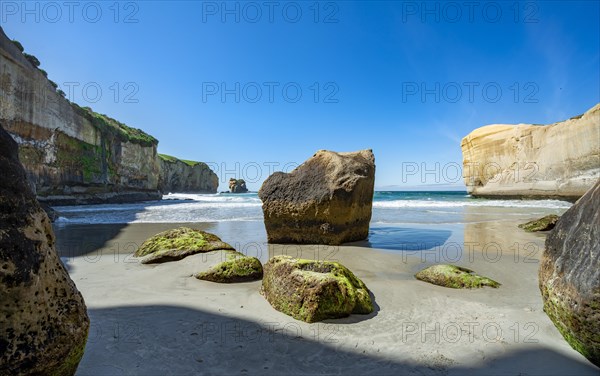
pixel 173 245
pixel 455 277
pixel 237 269
pixel 569 275
pixel 546 223
pixel 312 291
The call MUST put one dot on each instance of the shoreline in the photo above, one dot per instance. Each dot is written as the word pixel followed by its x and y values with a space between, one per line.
pixel 159 320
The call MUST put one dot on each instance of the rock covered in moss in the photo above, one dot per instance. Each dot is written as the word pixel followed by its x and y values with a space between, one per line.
pixel 570 275
pixel 455 277
pixel 546 223
pixel 238 268
pixel 326 200
pixel 43 320
pixel 176 244
pixel 314 290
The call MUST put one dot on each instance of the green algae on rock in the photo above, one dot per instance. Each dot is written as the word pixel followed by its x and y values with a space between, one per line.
pixel 454 276
pixel 543 224
pixel 312 291
pixel 237 269
pixel 175 244
pixel 43 318
pixel 569 275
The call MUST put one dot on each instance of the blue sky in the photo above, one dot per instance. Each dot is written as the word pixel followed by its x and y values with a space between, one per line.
pixel 407 79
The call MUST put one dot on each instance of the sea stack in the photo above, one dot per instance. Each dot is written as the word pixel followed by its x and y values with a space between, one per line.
pixel 570 275
pixel 43 319
pixel 237 186
pixel 559 160
pixel 326 200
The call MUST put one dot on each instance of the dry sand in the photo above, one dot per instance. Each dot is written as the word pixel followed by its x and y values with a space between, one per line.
pixel 159 320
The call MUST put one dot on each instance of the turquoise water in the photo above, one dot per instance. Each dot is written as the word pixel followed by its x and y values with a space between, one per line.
pixel 388 208
pixel 401 221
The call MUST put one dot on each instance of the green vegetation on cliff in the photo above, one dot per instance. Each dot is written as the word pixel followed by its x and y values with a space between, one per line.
pixel 19 45
pixel 102 122
pixel 170 158
pixel 76 155
pixel 108 124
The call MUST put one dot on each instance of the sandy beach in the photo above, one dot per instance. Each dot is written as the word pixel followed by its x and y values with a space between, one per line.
pixel 159 320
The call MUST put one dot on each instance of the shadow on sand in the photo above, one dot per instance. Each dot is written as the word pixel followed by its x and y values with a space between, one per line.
pixel 161 339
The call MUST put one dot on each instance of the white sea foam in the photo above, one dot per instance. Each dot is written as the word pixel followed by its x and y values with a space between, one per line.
pixel 184 207
pixel 242 198
pixel 547 204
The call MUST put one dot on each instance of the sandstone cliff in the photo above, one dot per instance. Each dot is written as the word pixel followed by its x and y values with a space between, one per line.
pixel 177 175
pixel 560 160
pixel 72 154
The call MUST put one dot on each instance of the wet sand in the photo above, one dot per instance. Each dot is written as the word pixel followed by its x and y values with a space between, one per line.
pixel 159 320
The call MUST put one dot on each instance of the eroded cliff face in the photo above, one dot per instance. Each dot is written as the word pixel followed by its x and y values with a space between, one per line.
pixel 177 175
pixel 71 154
pixel 560 160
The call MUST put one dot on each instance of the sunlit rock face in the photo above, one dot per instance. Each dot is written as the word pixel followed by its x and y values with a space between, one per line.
pixel 326 200
pixel 560 160
pixel 178 176
pixel 71 154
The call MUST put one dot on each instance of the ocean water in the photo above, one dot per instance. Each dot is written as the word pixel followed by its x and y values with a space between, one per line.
pixel 389 208
pixel 401 221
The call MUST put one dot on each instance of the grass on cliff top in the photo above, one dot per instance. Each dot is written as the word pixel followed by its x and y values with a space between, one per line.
pixel 100 121
pixel 106 123
pixel 170 158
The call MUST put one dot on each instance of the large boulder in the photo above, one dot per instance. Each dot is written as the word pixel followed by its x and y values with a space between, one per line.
pixel 178 243
pixel 558 160
pixel 314 290
pixel 570 275
pixel 43 319
pixel 326 200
